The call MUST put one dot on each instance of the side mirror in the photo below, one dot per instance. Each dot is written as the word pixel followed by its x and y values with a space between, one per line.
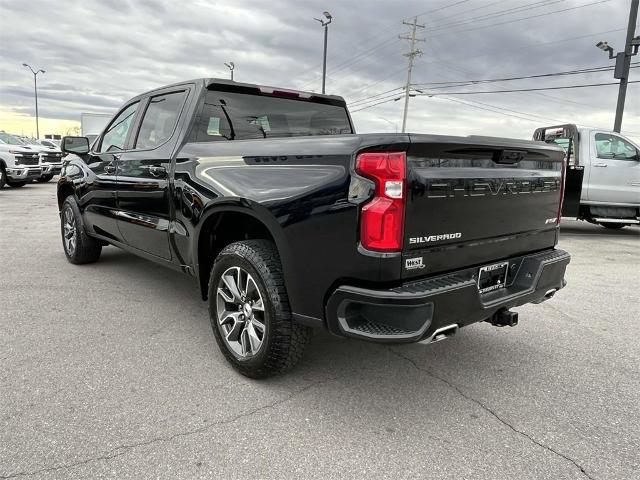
pixel 77 145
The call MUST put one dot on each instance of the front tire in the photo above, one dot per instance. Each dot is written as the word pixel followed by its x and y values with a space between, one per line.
pixel 79 247
pixel 250 313
pixel 613 226
pixel 45 179
pixel 3 177
pixel 16 184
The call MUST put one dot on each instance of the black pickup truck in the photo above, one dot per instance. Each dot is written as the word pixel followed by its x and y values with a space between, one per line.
pixel 289 220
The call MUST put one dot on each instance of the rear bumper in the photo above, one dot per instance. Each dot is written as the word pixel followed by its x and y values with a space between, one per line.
pixel 416 310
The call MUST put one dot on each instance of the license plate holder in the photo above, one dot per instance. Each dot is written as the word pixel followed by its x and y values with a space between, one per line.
pixel 492 277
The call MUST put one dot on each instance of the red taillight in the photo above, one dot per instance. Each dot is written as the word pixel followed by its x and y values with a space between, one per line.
pixel 382 226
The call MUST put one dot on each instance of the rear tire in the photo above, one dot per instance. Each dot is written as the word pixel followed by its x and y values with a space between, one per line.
pixel 45 179
pixel 250 313
pixel 79 247
pixel 613 226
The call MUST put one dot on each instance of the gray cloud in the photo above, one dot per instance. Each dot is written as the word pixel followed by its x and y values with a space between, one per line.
pixel 99 53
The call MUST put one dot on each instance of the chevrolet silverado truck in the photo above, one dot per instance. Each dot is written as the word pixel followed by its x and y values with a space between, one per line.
pixel 50 158
pixel 603 174
pixel 19 164
pixel 290 221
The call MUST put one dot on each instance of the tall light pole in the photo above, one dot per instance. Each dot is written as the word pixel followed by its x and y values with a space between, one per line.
pixel 231 66
pixel 623 62
pixel 325 24
pixel 35 92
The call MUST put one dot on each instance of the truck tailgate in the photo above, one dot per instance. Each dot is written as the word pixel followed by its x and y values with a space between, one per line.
pixel 495 197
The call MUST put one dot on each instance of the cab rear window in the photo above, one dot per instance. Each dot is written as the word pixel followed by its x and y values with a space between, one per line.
pixel 235 116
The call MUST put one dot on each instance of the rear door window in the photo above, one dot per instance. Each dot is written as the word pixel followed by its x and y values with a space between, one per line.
pixel 160 119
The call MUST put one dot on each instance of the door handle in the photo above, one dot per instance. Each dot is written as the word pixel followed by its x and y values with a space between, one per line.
pixel 601 165
pixel 110 168
pixel 158 171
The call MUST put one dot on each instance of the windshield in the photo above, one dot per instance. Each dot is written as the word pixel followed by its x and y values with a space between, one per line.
pixel 236 116
pixel 10 139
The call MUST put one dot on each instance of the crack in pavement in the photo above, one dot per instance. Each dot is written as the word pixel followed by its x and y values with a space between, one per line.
pixel 491 412
pixel 122 449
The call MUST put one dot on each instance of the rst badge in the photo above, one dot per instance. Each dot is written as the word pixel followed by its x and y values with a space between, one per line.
pixel 413 263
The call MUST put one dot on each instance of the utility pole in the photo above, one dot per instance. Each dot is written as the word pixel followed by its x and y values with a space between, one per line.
pixel 324 22
pixel 626 62
pixel 411 55
pixel 35 92
pixel 623 62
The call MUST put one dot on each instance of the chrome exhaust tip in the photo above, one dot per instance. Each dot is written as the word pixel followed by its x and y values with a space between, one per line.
pixel 442 333
pixel 548 294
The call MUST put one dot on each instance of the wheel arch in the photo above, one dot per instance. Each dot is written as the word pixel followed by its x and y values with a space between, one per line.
pixel 221 225
pixel 64 190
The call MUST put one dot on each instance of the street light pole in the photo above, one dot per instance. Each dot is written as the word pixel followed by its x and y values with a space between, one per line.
pixel 623 62
pixel 231 66
pixel 35 92
pixel 325 24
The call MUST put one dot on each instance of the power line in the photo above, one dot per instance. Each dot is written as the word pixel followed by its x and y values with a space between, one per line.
pixel 455 100
pixel 356 59
pixel 463 83
pixel 468 10
pixel 521 19
pixel 408 18
pixel 361 90
pixel 528 89
pixel 367 53
pixel 373 105
pixel 438 9
pixel 368 98
pixel 506 109
pixel 391 98
pixel 500 13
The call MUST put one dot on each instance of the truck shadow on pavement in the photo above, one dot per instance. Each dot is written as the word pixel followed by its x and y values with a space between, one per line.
pixel 327 355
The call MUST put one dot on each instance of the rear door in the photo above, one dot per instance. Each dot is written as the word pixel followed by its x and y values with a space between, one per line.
pixel 475 200
pixel 144 214
pixel 614 170
pixel 98 194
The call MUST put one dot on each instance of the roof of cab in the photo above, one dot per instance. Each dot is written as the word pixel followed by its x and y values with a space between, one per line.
pixel 227 85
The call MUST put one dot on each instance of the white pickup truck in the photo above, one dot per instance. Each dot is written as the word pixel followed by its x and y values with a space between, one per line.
pixel 603 174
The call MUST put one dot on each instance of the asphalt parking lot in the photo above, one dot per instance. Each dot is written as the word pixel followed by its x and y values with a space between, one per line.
pixel 111 371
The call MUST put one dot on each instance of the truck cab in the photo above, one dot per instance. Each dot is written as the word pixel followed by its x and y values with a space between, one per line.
pixel 603 174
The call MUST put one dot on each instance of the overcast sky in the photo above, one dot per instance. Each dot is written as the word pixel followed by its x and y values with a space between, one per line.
pixel 99 53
